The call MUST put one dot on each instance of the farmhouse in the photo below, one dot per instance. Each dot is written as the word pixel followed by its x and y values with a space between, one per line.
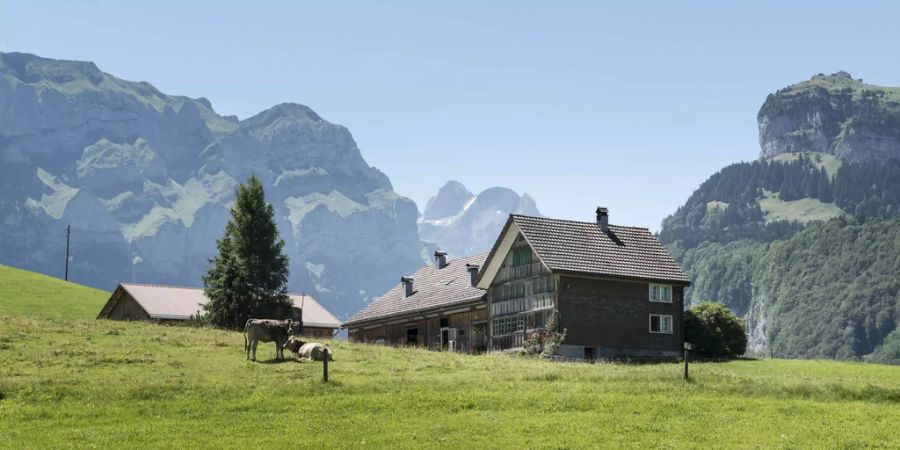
pixel 172 304
pixel 438 307
pixel 617 290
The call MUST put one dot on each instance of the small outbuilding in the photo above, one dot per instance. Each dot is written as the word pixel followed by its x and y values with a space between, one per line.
pixel 173 304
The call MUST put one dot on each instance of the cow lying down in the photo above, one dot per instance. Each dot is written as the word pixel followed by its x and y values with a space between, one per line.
pixel 310 351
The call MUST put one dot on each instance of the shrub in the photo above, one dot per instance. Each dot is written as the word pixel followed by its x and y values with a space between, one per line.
pixel 545 342
pixel 714 331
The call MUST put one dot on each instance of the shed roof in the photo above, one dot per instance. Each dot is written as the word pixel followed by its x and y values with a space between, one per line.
pixel 570 246
pixel 180 303
pixel 432 288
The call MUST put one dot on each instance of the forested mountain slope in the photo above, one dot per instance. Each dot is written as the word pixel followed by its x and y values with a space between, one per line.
pixel 804 242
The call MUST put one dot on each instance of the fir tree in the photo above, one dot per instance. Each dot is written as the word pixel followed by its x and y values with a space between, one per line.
pixel 248 276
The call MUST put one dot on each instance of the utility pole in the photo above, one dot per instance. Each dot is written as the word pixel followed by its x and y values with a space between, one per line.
pixel 68 231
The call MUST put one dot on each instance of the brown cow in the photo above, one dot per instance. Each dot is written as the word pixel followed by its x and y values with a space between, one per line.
pixel 266 330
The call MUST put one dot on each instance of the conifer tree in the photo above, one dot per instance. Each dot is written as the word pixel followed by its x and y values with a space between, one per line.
pixel 249 275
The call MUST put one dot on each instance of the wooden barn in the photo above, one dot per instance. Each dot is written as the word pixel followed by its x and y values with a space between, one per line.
pixel 438 307
pixel 173 304
pixel 617 290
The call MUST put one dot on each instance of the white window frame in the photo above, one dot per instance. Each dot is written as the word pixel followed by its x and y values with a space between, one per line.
pixel 659 289
pixel 662 329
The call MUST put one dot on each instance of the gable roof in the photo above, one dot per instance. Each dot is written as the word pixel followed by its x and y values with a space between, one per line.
pixel 568 246
pixel 314 314
pixel 180 303
pixel 432 288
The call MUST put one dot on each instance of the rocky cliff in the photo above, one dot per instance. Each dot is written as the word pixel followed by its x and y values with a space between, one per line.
pixel 145 180
pixel 463 224
pixel 832 114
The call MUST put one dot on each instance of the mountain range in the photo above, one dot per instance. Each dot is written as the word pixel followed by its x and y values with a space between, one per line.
pixel 145 179
pixel 462 223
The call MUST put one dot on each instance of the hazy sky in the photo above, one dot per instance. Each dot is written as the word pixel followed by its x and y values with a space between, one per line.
pixel 578 104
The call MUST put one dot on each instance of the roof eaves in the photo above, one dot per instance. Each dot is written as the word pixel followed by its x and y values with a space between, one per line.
pixel 490 256
pixel 684 281
pixel 411 311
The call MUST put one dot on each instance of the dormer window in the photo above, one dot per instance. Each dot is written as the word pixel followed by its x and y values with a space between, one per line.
pixel 661 293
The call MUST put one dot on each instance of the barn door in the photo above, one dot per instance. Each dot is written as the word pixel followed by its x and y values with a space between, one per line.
pixel 452 341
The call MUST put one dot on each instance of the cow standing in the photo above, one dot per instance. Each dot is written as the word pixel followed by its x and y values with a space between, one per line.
pixel 266 330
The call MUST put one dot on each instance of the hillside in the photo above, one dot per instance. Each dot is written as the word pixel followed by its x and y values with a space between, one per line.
pixel 144 178
pixel 24 293
pixel 79 382
pixel 725 237
pixel 803 241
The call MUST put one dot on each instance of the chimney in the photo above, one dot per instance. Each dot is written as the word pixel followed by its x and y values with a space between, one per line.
pixel 440 259
pixel 407 286
pixel 603 219
pixel 473 273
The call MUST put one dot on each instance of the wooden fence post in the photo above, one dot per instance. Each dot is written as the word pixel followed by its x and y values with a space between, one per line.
pixel 325 367
pixel 686 378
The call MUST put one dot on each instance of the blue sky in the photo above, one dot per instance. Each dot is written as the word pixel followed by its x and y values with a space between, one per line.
pixel 579 104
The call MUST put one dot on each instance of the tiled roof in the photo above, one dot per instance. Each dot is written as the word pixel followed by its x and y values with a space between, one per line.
pixel 432 288
pixel 580 247
pixel 180 303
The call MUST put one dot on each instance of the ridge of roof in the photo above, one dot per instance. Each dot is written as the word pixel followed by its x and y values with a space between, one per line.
pixel 582 222
pixel 170 286
pixel 165 286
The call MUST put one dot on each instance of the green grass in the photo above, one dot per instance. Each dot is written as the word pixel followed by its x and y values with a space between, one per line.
pixel 24 293
pixel 86 383
pixel 803 210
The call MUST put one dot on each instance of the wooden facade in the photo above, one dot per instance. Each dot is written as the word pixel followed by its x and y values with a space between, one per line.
pixel 438 307
pixel 460 328
pixel 126 308
pixel 617 291
pixel 521 297
pixel 610 319
pixel 604 318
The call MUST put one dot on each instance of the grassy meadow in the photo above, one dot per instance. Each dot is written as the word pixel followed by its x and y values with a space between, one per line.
pixel 67 380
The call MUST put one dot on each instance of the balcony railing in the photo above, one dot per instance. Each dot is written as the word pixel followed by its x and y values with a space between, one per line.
pixel 530 303
pixel 518 272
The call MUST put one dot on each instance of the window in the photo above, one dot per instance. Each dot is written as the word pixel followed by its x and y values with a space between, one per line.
pixel 660 324
pixel 508 325
pixel 521 256
pixel 445 322
pixel 661 293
